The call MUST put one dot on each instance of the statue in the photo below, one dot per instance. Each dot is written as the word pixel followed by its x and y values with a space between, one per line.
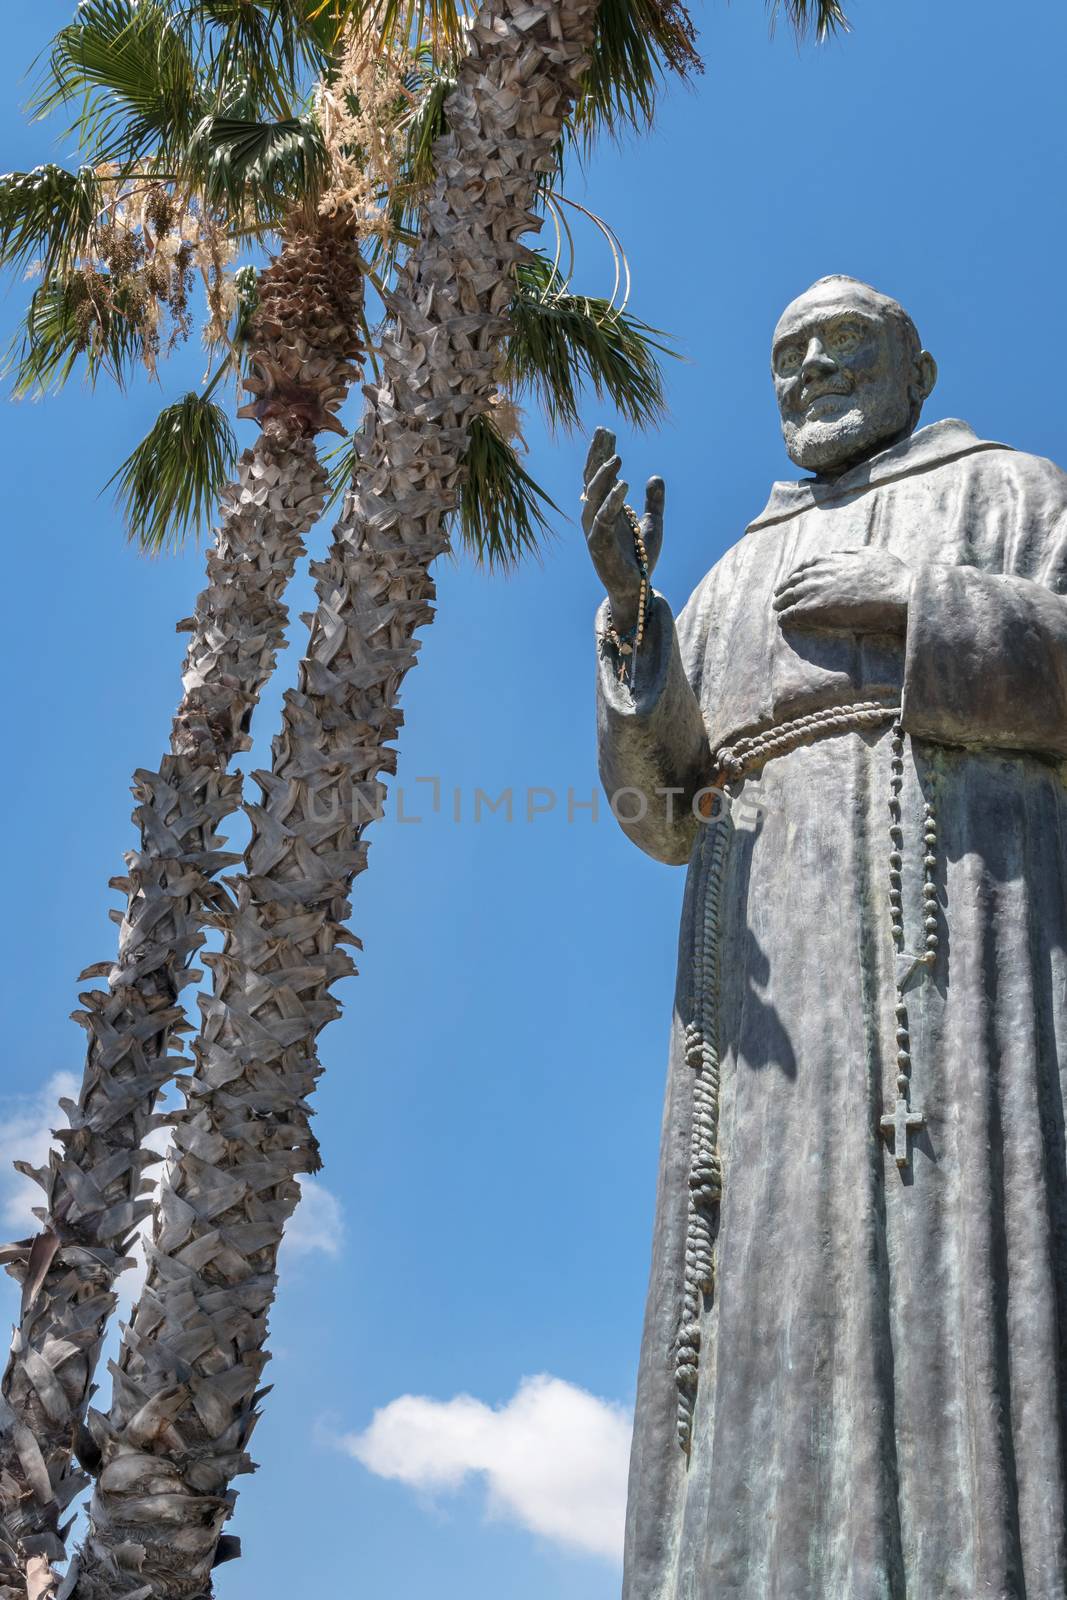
pixel 853 1377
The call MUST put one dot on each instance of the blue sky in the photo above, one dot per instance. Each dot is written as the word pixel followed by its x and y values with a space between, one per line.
pixel 491 1108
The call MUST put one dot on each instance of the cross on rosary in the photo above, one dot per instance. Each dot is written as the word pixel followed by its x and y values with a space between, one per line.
pixel 897 1124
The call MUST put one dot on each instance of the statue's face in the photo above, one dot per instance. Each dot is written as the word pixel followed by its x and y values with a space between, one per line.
pixel 846 381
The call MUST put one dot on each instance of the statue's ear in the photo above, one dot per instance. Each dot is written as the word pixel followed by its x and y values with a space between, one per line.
pixel 925 374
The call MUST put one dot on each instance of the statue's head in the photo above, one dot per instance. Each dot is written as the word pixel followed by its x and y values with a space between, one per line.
pixel 850 374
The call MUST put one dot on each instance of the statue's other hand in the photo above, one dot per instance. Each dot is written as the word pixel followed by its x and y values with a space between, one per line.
pixel 861 591
pixel 608 531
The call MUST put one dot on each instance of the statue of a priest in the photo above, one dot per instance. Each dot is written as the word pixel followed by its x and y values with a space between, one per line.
pixel 853 1381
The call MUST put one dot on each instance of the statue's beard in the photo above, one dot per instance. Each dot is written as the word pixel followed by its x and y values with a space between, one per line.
pixel 833 443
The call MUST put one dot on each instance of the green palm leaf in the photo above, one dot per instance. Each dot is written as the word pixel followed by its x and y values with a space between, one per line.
pixel 47 217
pixel 560 341
pixel 501 513
pixel 424 123
pixel 340 463
pixel 78 317
pixel 130 67
pixel 821 17
pixel 278 46
pixel 415 23
pixel 172 481
pixel 636 45
pixel 259 168
pixel 501 516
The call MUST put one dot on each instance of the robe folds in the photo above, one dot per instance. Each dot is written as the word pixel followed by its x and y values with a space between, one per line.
pixel 881 1411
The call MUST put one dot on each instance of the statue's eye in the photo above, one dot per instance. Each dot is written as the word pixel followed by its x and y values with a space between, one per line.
pixel 845 338
pixel 789 360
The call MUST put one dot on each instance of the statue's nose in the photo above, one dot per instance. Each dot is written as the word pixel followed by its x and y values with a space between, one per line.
pixel 817 359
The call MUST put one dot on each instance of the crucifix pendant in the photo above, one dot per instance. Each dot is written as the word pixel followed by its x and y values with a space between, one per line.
pixel 897 1124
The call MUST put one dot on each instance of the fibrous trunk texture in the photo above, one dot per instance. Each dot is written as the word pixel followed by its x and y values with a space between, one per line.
pixel 95 1188
pixel 187 1388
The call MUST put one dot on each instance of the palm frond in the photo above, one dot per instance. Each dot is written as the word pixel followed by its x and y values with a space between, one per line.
pixel 821 17
pixel 416 24
pixel 636 45
pixel 171 482
pixel 71 319
pixel 128 64
pixel 560 341
pixel 259 169
pixel 276 48
pixel 424 123
pixel 501 517
pixel 47 217
pixel 340 464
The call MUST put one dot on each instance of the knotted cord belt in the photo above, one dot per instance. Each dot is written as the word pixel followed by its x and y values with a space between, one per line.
pixel 732 762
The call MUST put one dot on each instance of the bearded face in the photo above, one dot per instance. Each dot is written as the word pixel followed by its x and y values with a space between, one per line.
pixel 848 381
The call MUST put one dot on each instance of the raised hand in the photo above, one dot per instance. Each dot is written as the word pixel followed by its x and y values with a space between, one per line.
pixel 608 531
pixel 861 591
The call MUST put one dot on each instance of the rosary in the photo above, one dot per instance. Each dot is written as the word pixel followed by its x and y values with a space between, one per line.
pixel 702 1045
pixel 628 644
pixel 904 1117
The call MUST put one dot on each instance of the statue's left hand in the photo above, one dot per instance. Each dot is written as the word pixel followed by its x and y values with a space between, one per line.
pixel 861 591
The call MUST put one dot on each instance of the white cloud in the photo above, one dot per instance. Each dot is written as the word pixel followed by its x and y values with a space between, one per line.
pixel 317 1223
pixel 26 1123
pixel 554 1458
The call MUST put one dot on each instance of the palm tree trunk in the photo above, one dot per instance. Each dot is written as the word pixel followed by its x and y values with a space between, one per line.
pixel 187 1386
pixel 304 342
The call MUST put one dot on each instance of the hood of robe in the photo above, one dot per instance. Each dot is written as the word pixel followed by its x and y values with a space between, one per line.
pixel 927 447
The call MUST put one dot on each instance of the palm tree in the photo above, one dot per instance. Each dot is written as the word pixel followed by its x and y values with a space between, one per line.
pixel 118 249
pixel 185 1398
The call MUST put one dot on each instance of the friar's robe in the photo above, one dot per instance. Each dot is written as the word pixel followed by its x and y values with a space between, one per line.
pixel 882 1402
